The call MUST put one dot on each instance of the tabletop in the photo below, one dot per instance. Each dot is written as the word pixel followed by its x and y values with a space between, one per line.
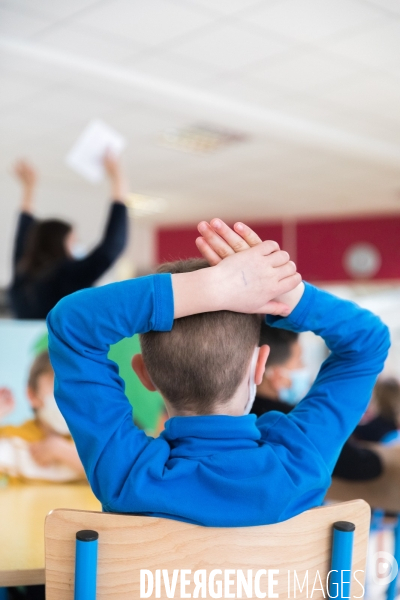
pixel 23 508
pixel 381 492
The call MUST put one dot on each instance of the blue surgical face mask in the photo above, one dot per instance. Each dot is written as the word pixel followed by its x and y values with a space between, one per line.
pixel 299 386
pixel 78 251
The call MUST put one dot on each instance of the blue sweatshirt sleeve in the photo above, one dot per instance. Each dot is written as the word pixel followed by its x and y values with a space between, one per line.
pixel 88 389
pixel 358 342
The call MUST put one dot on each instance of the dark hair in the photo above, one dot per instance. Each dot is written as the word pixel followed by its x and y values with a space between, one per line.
pixel 387 397
pixel 280 342
pixel 40 366
pixel 201 362
pixel 45 247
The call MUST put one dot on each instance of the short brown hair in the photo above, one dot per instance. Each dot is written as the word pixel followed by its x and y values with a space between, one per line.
pixel 40 366
pixel 387 397
pixel 201 362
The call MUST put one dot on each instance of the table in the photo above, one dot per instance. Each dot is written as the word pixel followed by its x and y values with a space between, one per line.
pixel 23 508
pixel 382 492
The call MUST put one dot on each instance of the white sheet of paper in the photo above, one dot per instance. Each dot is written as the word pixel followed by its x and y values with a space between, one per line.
pixel 86 155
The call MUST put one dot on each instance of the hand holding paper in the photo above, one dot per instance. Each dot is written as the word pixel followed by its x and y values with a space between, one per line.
pixel 96 141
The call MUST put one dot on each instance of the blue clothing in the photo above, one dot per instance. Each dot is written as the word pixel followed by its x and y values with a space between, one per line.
pixel 212 470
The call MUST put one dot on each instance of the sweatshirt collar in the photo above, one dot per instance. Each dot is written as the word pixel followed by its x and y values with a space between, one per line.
pixel 213 427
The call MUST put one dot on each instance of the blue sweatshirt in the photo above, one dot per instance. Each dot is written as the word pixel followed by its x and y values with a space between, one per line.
pixel 217 470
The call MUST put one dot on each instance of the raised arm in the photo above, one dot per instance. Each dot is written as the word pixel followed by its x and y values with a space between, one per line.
pixel 27 176
pixel 83 273
pixel 88 389
pixel 359 344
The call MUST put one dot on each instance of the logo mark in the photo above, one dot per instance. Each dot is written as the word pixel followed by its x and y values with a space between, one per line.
pixel 385 568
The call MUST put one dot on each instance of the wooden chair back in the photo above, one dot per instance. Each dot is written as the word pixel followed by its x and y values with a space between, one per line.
pixel 128 544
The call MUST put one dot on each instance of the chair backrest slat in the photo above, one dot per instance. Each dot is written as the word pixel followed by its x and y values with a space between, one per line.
pixel 128 544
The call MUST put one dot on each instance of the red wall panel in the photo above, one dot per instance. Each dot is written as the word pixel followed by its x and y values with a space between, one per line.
pixel 174 243
pixel 319 246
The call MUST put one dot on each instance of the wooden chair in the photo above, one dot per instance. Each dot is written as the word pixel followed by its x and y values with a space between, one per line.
pixel 128 544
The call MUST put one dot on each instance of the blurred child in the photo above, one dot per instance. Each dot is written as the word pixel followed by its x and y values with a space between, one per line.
pixel 41 448
pixel 384 411
pixel 286 382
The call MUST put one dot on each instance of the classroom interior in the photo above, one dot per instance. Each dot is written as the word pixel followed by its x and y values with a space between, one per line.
pixel 281 114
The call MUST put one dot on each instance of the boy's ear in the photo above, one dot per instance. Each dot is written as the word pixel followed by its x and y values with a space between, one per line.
pixel 141 371
pixel 260 365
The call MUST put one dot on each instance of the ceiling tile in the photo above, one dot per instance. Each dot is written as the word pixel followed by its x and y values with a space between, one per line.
pixel 388 6
pixel 69 105
pixel 310 20
pixel 48 8
pixel 20 25
pixel 146 123
pixel 345 118
pixel 229 47
pixel 172 67
pixel 152 22
pixel 375 47
pixel 28 69
pixel 305 71
pixel 245 90
pixel 81 40
pixel 15 90
pixel 376 94
pixel 228 6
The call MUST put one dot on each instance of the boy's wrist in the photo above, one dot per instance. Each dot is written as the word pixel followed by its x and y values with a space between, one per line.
pixel 195 292
pixel 292 298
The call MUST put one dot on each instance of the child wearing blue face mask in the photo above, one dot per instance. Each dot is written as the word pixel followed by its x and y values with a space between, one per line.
pixel 355 462
pixel 285 378
pixel 213 465
pixel 298 387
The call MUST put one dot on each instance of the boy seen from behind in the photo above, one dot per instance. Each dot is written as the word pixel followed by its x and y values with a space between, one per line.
pixel 214 464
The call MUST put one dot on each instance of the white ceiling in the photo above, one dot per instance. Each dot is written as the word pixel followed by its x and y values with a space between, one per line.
pixel 314 84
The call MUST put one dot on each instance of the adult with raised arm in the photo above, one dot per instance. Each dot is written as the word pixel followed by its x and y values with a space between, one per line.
pixel 44 266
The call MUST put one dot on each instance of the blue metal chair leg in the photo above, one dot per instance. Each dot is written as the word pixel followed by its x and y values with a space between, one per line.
pixel 86 565
pixel 342 554
pixel 391 592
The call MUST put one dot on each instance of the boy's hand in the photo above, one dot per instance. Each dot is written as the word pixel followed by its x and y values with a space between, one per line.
pixel 245 282
pixel 219 241
pixel 7 403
